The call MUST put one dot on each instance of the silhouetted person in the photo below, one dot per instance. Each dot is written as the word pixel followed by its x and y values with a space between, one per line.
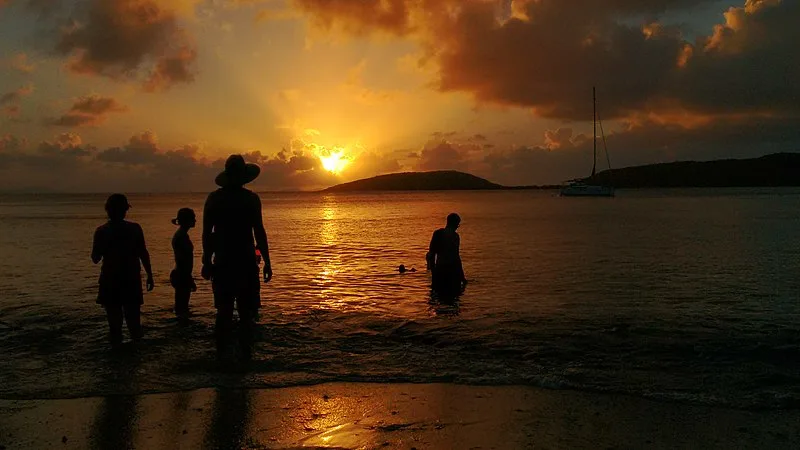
pixel 231 221
pixel 120 245
pixel 181 276
pixel 445 261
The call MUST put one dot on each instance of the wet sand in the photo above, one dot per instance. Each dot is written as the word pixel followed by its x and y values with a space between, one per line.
pixel 356 416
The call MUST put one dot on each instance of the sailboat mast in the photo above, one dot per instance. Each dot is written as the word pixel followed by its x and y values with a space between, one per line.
pixel 594 124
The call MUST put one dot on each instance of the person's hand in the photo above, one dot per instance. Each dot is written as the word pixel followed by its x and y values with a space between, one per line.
pixel 267 273
pixel 150 284
pixel 205 272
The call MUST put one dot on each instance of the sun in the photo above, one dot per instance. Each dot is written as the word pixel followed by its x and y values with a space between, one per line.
pixel 335 162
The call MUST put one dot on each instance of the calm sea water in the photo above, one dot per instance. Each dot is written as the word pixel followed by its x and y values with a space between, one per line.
pixel 691 295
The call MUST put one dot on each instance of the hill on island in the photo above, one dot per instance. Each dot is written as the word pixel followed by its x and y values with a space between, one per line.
pixel 418 181
pixel 778 169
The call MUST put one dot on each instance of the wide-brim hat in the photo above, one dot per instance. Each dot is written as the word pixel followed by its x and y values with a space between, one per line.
pixel 237 172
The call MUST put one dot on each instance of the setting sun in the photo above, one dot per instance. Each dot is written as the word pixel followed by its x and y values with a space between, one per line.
pixel 335 162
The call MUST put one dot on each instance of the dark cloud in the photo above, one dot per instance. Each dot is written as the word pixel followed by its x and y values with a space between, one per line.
pixel 66 163
pixel 88 111
pixel 637 144
pixel 16 95
pixel 361 16
pixel 444 155
pixel 169 70
pixel 546 54
pixel 11 143
pixel 128 40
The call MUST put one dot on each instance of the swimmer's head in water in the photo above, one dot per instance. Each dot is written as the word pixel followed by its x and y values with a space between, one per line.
pixel 117 206
pixel 402 268
pixel 453 221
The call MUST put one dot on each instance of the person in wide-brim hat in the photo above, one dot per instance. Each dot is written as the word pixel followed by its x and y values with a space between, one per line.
pixel 237 172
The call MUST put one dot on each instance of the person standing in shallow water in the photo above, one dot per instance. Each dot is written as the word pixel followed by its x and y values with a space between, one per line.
pixel 120 245
pixel 232 221
pixel 444 260
pixel 181 277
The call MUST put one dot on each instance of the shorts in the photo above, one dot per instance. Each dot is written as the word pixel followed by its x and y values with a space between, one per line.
pixel 120 292
pixel 240 285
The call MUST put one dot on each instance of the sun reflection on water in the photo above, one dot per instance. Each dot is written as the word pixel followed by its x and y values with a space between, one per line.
pixel 329 259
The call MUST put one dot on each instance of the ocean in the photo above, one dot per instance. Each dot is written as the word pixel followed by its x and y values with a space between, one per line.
pixel 686 295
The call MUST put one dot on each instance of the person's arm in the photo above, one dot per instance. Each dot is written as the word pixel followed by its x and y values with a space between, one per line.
pixel 460 265
pixel 432 248
pixel 144 255
pixel 97 250
pixel 208 230
pixel 261 239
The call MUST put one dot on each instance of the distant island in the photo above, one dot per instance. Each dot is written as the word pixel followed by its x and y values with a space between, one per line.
pixel 779 169
pixel 448 180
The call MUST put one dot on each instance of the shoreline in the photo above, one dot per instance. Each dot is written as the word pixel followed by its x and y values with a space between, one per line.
pixel 367 415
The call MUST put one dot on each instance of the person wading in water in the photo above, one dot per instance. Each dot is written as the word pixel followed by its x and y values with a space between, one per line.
pixel 120 245
pixel 181 277
pixel 232 231
pixel 444 260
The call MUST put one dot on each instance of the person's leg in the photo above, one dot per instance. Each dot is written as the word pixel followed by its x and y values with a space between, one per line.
pixel 114 316
pixel 223 300
pixel 133 319
pixel 182 297
pixel 247 299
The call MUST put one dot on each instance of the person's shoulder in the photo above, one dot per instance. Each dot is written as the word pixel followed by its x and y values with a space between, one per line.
pixel 215 194
pixel 133 226
pixel 102 228
pixel 252 196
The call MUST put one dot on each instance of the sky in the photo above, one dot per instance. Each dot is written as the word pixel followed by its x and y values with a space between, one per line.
pixel 153 95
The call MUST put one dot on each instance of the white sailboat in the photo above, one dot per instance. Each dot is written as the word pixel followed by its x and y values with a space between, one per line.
pixel 580 188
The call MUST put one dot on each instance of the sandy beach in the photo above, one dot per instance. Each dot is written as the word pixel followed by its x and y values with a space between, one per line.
pixel 403 416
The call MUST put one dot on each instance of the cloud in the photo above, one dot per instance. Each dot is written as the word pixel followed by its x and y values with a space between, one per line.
pixel 16 95
pixel 556 139
pixel 11 110
pixel 20 62
pixel 546 54
pixel 360 17
pixel 90 110
pixel 564 155
pixel 11 143
pixel 130 40
pixel 171 70
pixel 444 155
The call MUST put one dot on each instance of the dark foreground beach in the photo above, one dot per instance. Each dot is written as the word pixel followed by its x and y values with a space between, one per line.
pixel 365 416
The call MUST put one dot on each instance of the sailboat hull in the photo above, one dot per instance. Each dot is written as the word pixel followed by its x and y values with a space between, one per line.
pixel 585 190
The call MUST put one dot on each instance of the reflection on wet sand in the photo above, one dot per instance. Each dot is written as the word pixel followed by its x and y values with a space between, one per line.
pixel 115 423
pixel 230 419
pixel 116 420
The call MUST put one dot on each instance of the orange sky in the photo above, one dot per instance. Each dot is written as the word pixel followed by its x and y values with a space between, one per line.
pixel 124 92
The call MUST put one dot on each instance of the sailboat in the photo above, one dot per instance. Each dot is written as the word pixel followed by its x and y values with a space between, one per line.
pixel 579 188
